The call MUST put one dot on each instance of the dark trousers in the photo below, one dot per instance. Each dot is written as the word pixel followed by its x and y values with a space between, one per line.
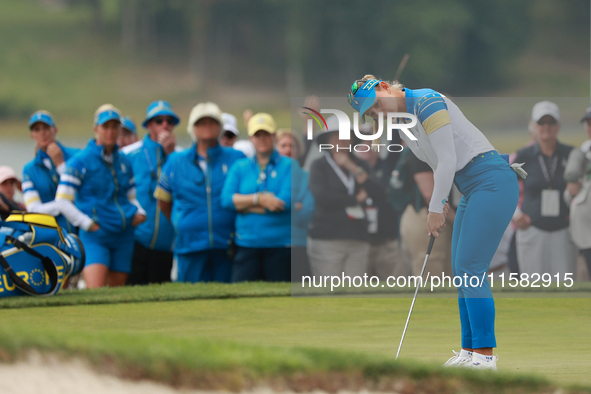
pixel 587 255
pixel 149 266
pixel 512 255
pixel 268 264
pixel 212 265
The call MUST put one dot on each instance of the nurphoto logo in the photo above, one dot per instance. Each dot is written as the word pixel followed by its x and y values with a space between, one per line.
pixel 344 129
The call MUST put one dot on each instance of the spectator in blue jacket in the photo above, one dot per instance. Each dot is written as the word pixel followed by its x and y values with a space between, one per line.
pixel 289 144
pixel 100 181
pixel 41 175
pixel 152 256
pixel 128 133
pixel 259 189
pixel 189 194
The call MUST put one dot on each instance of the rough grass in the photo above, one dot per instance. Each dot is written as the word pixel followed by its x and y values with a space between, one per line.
pixel 225 365
pixel 238 337
pixel 186 291
pixel 152 293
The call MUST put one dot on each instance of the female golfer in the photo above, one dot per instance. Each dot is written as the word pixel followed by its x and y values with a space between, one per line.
pixel 41 175
pixel 99 181
pixel 456 151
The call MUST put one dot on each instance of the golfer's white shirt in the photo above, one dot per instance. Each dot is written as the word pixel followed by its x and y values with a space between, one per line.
pixel 446 139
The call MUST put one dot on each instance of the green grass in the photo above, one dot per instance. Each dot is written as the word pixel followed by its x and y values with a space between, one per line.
pixel 261 337
pixel 184 291
pixel 164 292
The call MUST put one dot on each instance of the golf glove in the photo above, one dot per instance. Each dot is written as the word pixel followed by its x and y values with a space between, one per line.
pixel 520 171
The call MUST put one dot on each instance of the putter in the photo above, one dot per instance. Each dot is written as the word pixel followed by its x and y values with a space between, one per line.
pixel 431 241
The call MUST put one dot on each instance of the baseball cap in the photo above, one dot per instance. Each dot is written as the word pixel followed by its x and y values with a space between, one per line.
pixel 204 110
pixel 544 108
pixel 363 95
pixel 43 117
pixel 261 121
pixel 230 123
pixel 128 124
pixel 587 114
pixel 7 173
pixel 105 113
pixel 160 108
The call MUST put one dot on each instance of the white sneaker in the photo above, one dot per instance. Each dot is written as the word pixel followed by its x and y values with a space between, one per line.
pixel 478 363
pixel 458 360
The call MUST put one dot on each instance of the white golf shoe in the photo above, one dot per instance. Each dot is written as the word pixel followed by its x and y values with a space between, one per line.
pixel 482 362
pixel 461 358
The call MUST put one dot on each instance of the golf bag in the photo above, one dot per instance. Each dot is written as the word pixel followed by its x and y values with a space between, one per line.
pixel 36 255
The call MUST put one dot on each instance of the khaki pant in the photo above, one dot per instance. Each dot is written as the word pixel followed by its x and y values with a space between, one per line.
pixel 333 257
pixel 413 231
pixel 386 260
pixel 542 252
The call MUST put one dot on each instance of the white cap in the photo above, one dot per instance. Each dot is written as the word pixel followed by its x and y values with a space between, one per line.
pixel 204 110
pixel 544 108
pixel 8 173
pixel 230 123
pixel 246 147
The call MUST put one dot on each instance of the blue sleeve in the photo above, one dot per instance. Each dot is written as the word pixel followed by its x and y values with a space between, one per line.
pixel 284 192
pixel 432 112
pixel 166 181
pixel 231 185
pixel 71 180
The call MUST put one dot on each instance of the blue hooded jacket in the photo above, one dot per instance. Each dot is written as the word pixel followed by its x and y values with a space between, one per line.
pixel 198 218
pixel 102 189
pixel 147 160
pixel 38 178
pixel 254 230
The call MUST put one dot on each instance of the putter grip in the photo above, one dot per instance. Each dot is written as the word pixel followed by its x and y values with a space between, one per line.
pixel 431 242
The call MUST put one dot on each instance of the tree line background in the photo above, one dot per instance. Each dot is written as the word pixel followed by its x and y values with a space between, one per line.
pixel 465 47
pixel 70 56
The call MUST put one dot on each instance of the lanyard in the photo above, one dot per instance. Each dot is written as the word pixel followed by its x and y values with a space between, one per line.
pixel 152 171
pixel 263 174
pixel 348 182
pixel 549 177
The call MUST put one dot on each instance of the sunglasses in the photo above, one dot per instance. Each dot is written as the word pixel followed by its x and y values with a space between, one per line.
pixel 162 119
pixel 354 88
pixel 550 122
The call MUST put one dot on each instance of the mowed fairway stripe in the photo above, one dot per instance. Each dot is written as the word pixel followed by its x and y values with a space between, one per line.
pixel 546 336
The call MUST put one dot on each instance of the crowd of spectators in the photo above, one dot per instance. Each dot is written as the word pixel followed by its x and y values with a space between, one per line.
pixel 271 207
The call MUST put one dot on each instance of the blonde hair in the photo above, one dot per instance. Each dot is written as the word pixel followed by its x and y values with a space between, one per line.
pixel 103 108
pixel 394 85
pixel 294 137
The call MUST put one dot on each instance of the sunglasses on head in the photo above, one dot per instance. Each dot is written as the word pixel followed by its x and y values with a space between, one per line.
pixel 354 88
pixel 161 119
pixel 550 122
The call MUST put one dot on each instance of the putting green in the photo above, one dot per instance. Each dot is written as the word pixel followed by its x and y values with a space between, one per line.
pixel 549 337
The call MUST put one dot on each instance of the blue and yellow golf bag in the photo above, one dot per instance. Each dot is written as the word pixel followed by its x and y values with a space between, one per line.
pixel 36 255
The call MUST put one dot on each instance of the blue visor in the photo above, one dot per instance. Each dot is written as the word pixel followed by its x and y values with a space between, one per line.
pixel 128 124
pixel 160 108
pixel 41 116
pixel 363 97
pixel 106 116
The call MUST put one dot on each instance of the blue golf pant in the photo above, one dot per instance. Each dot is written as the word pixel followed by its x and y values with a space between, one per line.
pixel 490 193
pixel 212 265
